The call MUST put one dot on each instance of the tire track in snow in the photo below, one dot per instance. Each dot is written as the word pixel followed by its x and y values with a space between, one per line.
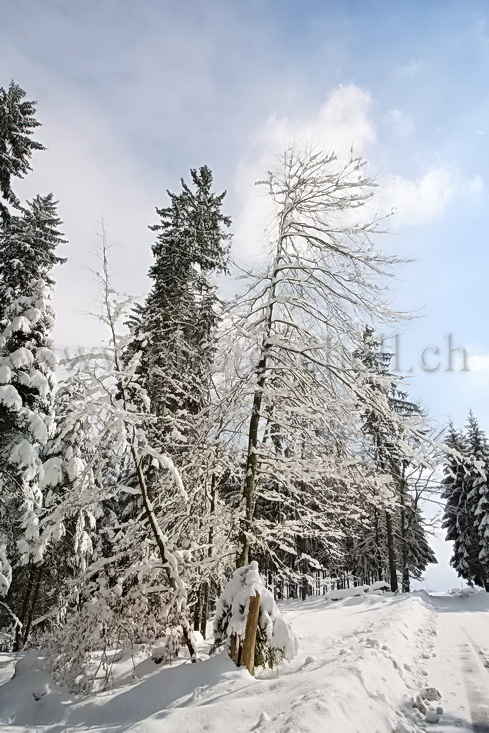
pixel 457 668
pixel 482 654
pixel 476 684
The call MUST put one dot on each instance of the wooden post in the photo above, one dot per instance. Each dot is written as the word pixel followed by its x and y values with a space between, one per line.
pixel 243 652
pixel 248 652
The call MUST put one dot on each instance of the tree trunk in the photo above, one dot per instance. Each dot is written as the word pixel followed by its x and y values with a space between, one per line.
pixel 205 608
pixel 35 595
pixel 19 632
pixel 198 610
pixel 251 472
pixel 251 469
pixel 378 558
pixel 206 595
pixel 391 553
pixel 405 569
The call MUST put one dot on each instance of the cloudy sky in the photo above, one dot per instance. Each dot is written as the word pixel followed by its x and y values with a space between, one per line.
pixel 131 94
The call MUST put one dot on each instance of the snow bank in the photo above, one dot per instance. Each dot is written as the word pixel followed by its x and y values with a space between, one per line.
pixel 359 590
pixel 360 661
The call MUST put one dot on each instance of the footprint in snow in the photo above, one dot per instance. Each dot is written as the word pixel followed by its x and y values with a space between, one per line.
pixel 373 643
pixel 262 720
pixel 430 693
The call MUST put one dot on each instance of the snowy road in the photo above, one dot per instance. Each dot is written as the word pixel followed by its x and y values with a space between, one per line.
pixel 460 669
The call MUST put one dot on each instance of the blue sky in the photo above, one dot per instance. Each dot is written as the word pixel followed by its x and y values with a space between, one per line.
pixel 133 94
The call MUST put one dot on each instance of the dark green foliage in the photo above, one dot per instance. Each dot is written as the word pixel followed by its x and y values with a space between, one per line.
pixel 465 490
pixel 180 312
pixel 17 123
pixel 457 519
pixel 418 551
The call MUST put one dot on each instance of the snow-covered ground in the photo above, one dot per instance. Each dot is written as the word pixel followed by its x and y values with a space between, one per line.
pixel 369 664
pixel 461 666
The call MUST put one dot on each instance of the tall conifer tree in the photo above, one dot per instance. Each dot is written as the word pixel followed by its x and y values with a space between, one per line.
pixel 457 518
pixel 388 423
pixel 27 362
pixel 17 123
pixel 180 312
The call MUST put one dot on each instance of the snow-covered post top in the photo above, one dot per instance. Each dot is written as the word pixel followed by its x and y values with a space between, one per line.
pixel 275 640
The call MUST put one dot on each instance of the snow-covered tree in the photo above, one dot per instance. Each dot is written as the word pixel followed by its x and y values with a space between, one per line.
pixel 67 516
pixel 478 500
pixel 457 518
pixel 135 590
pixel 180 313
pixel 27 377
pixel 465 489
pixel 68 474
pixel 390 424
pixel 297 324
pixel 415 551
pixel 174 344
pixel 276 641
pixel 17 123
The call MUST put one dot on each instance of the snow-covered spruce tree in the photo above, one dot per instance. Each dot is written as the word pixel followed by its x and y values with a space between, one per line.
pixel 389 424
pixel 457 518
pixel 478 498
pixel 415 553
pixel 180 313
pixel 17 123
pixel 377 425
pixel 28 242
pixel 466 513
pixel 66 519
pixel 174 339
pixel 297 323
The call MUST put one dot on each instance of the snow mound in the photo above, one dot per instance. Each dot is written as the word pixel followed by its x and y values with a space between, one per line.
pixel 357 668
pixel 359 590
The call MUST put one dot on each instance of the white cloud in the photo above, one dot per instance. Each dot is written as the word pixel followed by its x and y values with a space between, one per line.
pixel 420 201
pixel 88 169
pixel 479 368
pixel 344 120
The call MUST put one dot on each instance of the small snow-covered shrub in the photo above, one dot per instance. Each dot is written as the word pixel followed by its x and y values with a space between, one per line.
pixel 113 614
pixel 276 641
